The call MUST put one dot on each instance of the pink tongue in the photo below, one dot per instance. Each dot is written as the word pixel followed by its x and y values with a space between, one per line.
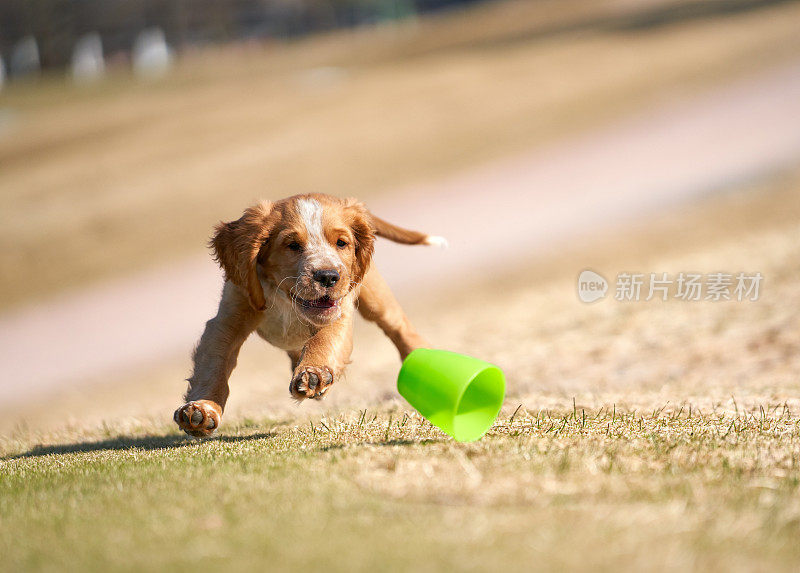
pixel 323 302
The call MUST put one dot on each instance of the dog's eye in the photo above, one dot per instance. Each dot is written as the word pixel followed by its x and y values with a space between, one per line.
pixel 294 246
pixel 341 243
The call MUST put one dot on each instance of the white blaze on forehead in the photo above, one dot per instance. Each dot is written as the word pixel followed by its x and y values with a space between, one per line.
pixel 318 251
pixel 311 212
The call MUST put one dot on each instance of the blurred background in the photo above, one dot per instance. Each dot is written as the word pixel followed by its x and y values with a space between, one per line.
pixel 541 137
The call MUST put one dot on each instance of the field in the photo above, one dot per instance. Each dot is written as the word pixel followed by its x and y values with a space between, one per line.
pixel 640 435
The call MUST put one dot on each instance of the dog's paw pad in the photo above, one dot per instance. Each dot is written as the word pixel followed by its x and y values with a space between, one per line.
pixel 197 418
pixel 310 382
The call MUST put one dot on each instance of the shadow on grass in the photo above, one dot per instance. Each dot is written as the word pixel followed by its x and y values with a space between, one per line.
pixel 173 441
pixel 169 441
pixel 399 442
pixel 381 443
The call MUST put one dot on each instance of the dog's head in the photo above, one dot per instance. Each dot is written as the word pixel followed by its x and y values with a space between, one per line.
pixel 313 248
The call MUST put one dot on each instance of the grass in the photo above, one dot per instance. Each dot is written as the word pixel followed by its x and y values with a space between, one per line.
pixel 104 180
pixel 559 488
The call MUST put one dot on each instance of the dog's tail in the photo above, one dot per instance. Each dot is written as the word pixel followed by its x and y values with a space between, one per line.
pixel 397 234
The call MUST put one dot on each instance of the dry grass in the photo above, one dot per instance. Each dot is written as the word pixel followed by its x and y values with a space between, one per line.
pixel 107 179
pixel 634 354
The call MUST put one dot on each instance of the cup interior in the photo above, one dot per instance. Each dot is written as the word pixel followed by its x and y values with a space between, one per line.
pixel 479 405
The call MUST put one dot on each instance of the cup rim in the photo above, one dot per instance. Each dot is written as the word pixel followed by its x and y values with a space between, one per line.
pixel 491 419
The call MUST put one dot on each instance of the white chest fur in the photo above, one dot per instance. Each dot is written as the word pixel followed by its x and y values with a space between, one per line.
pixel 283 328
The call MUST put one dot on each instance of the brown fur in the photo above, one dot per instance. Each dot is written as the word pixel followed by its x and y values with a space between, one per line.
pixel 397 234
pixel 236 247
pixel 269 256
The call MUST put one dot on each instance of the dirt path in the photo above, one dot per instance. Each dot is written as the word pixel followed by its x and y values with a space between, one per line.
pixel 491 215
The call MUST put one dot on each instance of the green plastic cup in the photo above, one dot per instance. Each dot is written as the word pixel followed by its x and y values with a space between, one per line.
pixel 456 393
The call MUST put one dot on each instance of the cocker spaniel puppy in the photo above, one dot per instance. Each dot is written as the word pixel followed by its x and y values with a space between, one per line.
pixel 296 271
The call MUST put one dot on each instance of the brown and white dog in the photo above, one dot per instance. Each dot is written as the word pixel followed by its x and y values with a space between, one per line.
pixel 296 270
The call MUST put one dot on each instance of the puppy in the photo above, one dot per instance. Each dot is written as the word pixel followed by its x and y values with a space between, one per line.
pixel 296 270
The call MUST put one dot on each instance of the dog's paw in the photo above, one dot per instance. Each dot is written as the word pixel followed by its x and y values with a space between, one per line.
pixel 198 418
pixel 310 382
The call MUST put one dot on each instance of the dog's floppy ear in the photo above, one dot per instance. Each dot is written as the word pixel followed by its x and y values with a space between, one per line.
pixel 364 237
pixel 236 247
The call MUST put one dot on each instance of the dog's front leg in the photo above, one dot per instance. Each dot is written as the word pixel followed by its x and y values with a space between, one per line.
pixel 214 360
pixel 322 360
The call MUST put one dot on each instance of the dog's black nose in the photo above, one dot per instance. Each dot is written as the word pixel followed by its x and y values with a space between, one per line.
pixel 327 277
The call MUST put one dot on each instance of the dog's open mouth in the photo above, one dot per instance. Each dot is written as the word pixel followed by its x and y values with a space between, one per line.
pixel 322 303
